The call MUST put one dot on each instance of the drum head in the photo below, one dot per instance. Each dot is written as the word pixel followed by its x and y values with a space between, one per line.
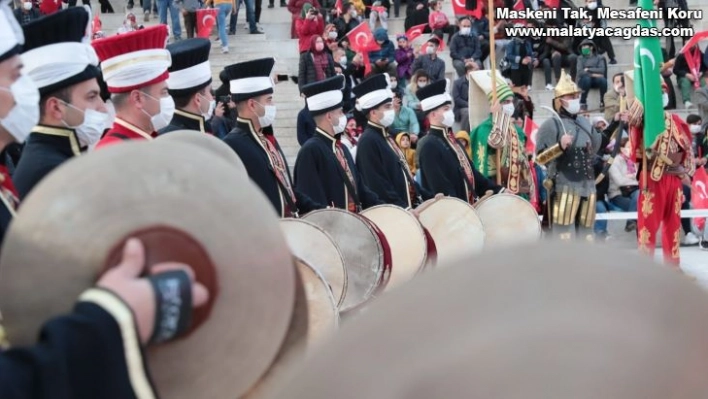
pixel 405 237
pixel 508 220
pixel 180 200
pixel 323 316
pixel 454 226
pixel 362 250
pixel 315 247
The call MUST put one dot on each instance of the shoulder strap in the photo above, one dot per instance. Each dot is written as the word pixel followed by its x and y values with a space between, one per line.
pixel 347 182
pixel 284 191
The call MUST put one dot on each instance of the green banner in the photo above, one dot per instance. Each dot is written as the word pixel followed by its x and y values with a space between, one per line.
pixel 647 79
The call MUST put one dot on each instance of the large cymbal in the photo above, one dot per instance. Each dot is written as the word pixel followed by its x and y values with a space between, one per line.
pixel 207 142
pixel 546 321
pixel 187 205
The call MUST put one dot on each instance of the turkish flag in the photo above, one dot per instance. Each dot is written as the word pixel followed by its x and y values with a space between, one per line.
pixel 338 6
pixel 693 58
pixel 699 194
pixel 362 41
pixel 96 25
pixel 530 129
pixel 459 8
pixel 552 3
pixel 415 32
pixel 206 19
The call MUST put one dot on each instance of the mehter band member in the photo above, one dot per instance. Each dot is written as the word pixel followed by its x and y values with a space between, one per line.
pixel 134 66
pixel 381 162
pixel 72 113
pixel 189 85
pixel 325 170
pixel 445 167
pixel 251 88
pixel 566 144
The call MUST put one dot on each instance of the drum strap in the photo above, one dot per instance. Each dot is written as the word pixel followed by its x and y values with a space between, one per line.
pixel 346 174
pixel 278 168
pixel 465 166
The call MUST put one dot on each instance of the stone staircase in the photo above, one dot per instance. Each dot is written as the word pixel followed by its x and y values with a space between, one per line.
pixel 276 43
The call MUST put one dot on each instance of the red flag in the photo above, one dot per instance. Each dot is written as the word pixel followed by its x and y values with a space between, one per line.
pixel 699 194
pixel 378 9
pixel 96 25
pixel 206 19
pixel 458 7
pixel 535 197
pixel 530 129
pixel 519 5
pixel 338 7
pixel 552 3
pixel 362 41
pixel 415 32
pixel 694 59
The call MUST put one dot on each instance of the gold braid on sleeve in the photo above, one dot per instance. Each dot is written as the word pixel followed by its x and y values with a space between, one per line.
pixel 549 154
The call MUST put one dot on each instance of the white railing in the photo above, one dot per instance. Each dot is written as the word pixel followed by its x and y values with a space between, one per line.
pixel 687 213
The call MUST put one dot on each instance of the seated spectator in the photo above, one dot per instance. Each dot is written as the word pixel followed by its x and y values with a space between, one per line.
pixel 383 60
pixel 463 139
pixel 348 20
pixel 305 125
pixel 685 78
pixel 701 96
pixel 420 79
pixel 624 187
pixel 460 98
pixel 429 62
pixel 438 22
pixel 404 59
pixel 416 14
pixel 592 72
pixel 316 64
pixel 501 40
pixel 601 205
pixel 330 38
pixel 465 48
pixel 356 70
pixel 308 25
pixel 603 43
pixel 130 24
pixel 394 86
pixel 378 14
pixel 351 136
pixel 523 103
pixel 480 27
pixel 25 11
pixel 405 121
pixel 695 125
pixel 519 54
pixel 404 143
pixel 612 97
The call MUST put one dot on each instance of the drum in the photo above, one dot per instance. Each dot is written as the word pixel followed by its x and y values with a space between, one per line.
pixel 406 238
pixel 367 257
pixel 454 226
pixel 313 245
pixel 323 316
pixel 508 218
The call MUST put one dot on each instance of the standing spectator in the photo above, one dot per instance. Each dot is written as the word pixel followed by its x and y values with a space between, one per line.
pixel 189 12
pixel 347 21
pixel 25 12
pixel 673 23
pixel 406 119
pixel 416 14
pixel 383 60
pixel 330 37
pixel 378 15
pixel 296 10
pixel 163 6
pixel 460 98
pixel 225 8
pixel 258 8
pixel 315 64
pixel 519 54
pixel 308 25
pixel 685 78
pixel 147 6
pixel 404 59
pixel 465 49
pixel 429 62
pixel 271 3
pixel 438 22
pixel 592 72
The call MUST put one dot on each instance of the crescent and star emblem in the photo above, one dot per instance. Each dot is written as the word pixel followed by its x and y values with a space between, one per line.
pixel 207 17
pixel 362 43
pixel 702 187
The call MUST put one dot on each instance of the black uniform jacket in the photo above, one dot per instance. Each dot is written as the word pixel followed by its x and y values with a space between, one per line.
pixel 46 148
pixel 244 141
pixel 319 175
pixel 441 171
pixel 183 120
pixel 93 352
pixel 380 167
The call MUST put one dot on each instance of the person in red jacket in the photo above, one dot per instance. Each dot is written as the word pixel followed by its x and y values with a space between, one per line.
pixel 668 163
pixel 296 7
pixel 139 87
pixel 309 24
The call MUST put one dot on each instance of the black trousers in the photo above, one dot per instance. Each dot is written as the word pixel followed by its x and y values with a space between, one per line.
pixel 258 7
pixel 190 23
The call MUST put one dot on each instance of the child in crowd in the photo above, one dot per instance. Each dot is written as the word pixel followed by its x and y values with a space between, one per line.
pixel 404 143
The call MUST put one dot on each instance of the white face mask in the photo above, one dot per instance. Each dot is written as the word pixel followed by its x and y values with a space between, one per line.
pixel 430 49
pixel 210 111
pixel 572 106
pixel 592 5
pixel 665 99
pixel 268 117
pixel 332 35
pixel 343 60
pixel 91 129
pixel 421 85
pixel 388 116
pixel 27 5
pixel 448 118
pixel 465 31
pixel 341 125
pixel 508 109
pixel 111 115
pixel 394 84
pixel 167 111
pixel 695 129
pixel 25 114
pixel 354 14
pixel 618 89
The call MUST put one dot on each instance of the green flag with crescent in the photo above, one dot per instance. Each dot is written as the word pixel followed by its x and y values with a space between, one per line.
pixel 647 79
